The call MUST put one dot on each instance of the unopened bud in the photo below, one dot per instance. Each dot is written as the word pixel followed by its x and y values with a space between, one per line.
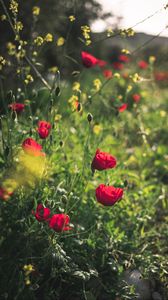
pixel 61 143
pixel 89 117
pixel 79 107
pixel 57 91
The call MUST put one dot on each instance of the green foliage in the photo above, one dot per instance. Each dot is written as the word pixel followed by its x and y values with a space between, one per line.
pixel 92 259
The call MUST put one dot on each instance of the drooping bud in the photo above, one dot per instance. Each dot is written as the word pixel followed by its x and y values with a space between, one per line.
pixel 89 117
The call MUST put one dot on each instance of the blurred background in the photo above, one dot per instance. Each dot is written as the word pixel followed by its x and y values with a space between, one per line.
pixel 147 18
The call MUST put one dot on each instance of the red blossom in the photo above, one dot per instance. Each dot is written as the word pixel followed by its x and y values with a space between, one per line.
pixel 161 76
pixel 136 98
pixel 60 222
pixel 42 213
pixel 17 107
pixel 88 60
pixel 4 194
pixel 108 73
pixel 142 64
pixel 118 65
pixel 31 147
pixel 101 63
pixel 103 161
pixel 44 129
pixel 123 58
pixel 108 195
pixel 122 107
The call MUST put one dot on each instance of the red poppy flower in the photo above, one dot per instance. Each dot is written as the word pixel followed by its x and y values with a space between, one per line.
pixel 108 73
pixel 59 222
pixel 103 161
pixel 4 194
pixel 124 58
pixel 122 107
pixel 88 60
pixel 17 107
pixel 142 64
pixel 136 97
pixel 117 65
pixel 44 129
pixel 31 147
pixel 101 63
pixel 42 213
pixel 108 195
pixel 161 76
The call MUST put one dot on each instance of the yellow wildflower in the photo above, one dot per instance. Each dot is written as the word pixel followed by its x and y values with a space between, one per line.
pixel 53 69
pixel 85 30
pixel 117 75
pixel 27 281
pixel 58 118
pixel 18 26
pixel 72 18
pixel 130 32
pixel 21 53
pixel 23 43
pixel 25 267
pixel 60 41
pixel 18 71
pixel 152 59
pixel 11 48
pixel 86 34
pixel 2 60
pixel 76 86
pixel 97 84
pixel 14 6
pixel 109 32
pixel 35 53
pixel 135 77
pixel 36 10
pixel 30 268
pixel 39 41
pixel 88 42
pixel 3 17
pixel 97 129
pixel 163 113
pixel 28 79
pixel 129 88
pixel 127 32
pixel 122 32
pixel 73 98
pixel 125 51
pixel 48 38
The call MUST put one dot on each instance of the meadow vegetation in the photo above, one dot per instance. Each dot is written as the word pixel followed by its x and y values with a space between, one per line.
pixel 83 158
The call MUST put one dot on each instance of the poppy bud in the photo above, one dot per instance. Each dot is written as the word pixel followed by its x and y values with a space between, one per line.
pixel 89 117
pixel 61 143
pixel 57 91
pixel 79 107
pixel 125 183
